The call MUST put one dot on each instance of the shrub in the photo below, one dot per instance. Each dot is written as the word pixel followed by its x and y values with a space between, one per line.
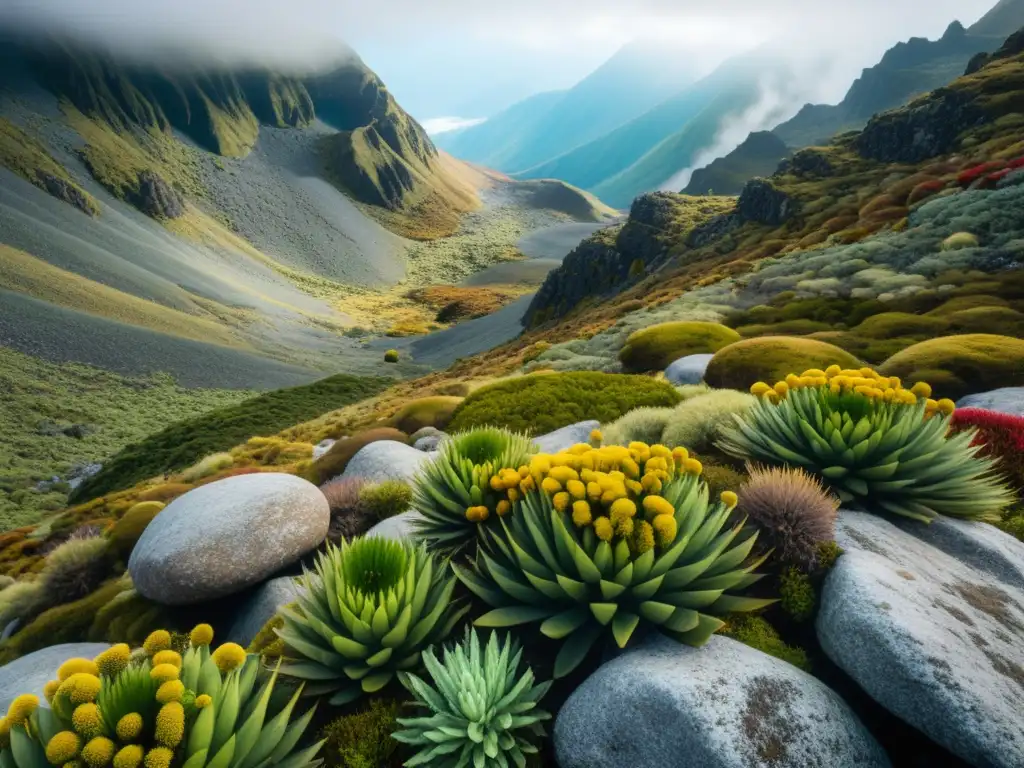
pixel 969 363
pixel 588 552
pixel 796 594
pixel 362 739
pixel 875 444
pixel 426 412
pixel 391 356
pixel 350 516
pixel 653 348
pixel 207 466
pixel 181 444
pixel 770 358
pixel 483 710
pixel 888 325
pixel 690 391
pixel 165 492
pixel 387 499
pixel 372 608
pixel 541 403
pixel 126 531
pixel 757 633
pixel 694 424
pixel 793 511
pixel 75 569
pixel 641 424
pixel 959 240
pixel 924 190
pixel 21 600
pixel 999 435
pixel 332 464
pixel 464 487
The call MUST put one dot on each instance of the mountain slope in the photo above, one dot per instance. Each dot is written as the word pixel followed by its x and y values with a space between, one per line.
pixel 758 155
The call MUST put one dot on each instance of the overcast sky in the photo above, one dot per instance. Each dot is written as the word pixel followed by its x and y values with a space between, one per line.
pixel 468 58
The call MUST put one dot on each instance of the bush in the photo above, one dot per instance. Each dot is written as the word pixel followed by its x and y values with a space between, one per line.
pixel 21 600
pixel 694 424
pixel 770 358
pixel 350 517
pixel 181 444
pixel 1000 435
pixel 207 466
pixel 970 363
pixel 75 569
pixel 391 356
pixel 959 240
pixel 126 531
pixel 426 412
pixel 362 739
pixel 332 464
pixel 758 633
pixel 653 348
pixel 539 404
pixel 793 511
pixel 387 499
pixel 643 425
pixel 888 325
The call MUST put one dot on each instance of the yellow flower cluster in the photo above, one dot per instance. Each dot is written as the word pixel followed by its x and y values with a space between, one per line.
pixel 864 381
pixel 170 724
pixel 229 656
pixel 202 634
pixel 113 660
pixel 160 640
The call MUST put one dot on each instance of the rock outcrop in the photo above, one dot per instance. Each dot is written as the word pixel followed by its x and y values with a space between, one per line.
pixel 158 199
pixel 66 191
pixel 386 460
pixel 761 202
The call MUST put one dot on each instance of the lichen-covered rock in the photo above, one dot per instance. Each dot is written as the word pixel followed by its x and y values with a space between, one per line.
pixel 566 437
pixel 1004 400
pixel 386 460
pixel 31 672
pixel 397 527
pixel 761 202
pixel 923 129
pixel 261 606
pixel 66 191
pixel 223 537
pixel 929 621
pixel 158 199
pixel 807 162
pixel 725 705
pixel 688 370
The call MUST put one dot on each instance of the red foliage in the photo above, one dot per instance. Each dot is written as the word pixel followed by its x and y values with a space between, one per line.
pixel 971 175
pixel 1001 434
pixel 992 178
pixel 925 189
pixel 1015 164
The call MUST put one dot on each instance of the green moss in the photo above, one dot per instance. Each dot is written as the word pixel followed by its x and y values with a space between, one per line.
pixel 266 641
pixel 888 325
pixel 426 412
pixel 387 499
pixel 757 633
pixel 333 463
pixel 391 356
pixel 541 403
pixel 126 531
pixel 721 478
pixel 770 359
pixel 828 553
pixel 796 593
pixel 798 327
pixel 961 365
pixel 654 348
pixel 180 445
pixel 1003 321
pixel 961 303
pixel 1013 524
pixel 362 739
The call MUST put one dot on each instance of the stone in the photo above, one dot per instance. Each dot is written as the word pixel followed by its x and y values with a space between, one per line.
pixel 322 447
pixel 688 370
pixel 31 672
pixel 223 537
pixel 725 705
pixel 566 437
pixel 1005 400
pixel 386 460
pixel 761 202
pixel 398 527
pixel 66 191
pixel 424 432
pixel 429 442
pixel 158 199
pixel 929 621
pixel 261 607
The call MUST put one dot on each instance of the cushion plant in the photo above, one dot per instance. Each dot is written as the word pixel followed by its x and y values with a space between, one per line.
pixel 369 610
pixel 482 712
pixel 614 539
pixel 877 445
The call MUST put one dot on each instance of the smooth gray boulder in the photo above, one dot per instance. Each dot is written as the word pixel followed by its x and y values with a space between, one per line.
pixel 260 607
pixel 30 673
pixel 424 432
pixel 221 538
pixel 929 621
pixel 429 443
pixel 322 448
pixel 566 437
pixel 725 705
pixel 386 460
pixel 1006 400
pixel 688 370
pixel 397 527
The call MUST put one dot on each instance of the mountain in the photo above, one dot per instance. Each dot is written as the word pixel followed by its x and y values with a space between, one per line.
pixel 758 155
pixel 639 76
pixel 1006 15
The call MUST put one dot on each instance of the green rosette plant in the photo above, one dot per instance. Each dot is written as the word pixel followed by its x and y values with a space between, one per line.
pixel 464 487
pixel 876 445
pixel 369 610
pixel 612 541
pixel 483 707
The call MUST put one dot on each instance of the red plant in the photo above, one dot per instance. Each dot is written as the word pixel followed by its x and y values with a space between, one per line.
pixel 971 175
pixel 1002 435
pixel 1015 164
pixel 992 178
pixel 925 189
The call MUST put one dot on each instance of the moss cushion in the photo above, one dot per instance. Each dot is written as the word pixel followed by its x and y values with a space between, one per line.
pixel 771 358
pixel 961 365
pixel 653 348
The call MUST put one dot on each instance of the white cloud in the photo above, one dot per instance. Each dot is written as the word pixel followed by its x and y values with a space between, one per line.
pixel 436 125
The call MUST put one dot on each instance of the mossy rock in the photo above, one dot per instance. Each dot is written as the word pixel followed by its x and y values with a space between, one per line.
pixel 1003 321
pixel 961 365
pixel 333 463
pixel 771 358
pixel 538 404
pixel 888 325
pixel 654 348
pixel 126 531
pixel 426 412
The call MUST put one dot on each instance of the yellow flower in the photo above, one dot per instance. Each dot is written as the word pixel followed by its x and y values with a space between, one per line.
pixel 156 642
pixel 229 656
pixel 503 508
pixel 868 373
pixel 630 468
pixel 621 509
pixel 792 380
pixel 201 634
pixel 80 688
pixel 906 397
pixel 581 514
pixel 114 659
pixel 563 475
pixel 158 757
pixel 129 727
pixel 692 467
pixel 496 483
pixel 643 538
pixel 657 505
pixel 665 530
pixel 71 666
pixel 596 436
pixel 513 495
pixel 813 373
pixel 561 501
pixel 594 491
pixel 759 388
pixel 729 499
pixel 946 406
pixel 167 657
pixel 833 370
pixel 172 690
pixel 781 388
pixel 170 724
pixel 87 720
pixel 577 489
pixel 655 464
pixel 930 405
pixel 922 389
pixel 603 528
pixel 203 700
pixel 624 527
pixel 477 514
pixel 550 485
pixel 50 689
pixel 98 752
pixel 22 708
pixel 128 757
pixel 771 396
pixel 63 747
pixel 617 491
pixel 164 672
pixel 528 484
pixel 634 487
